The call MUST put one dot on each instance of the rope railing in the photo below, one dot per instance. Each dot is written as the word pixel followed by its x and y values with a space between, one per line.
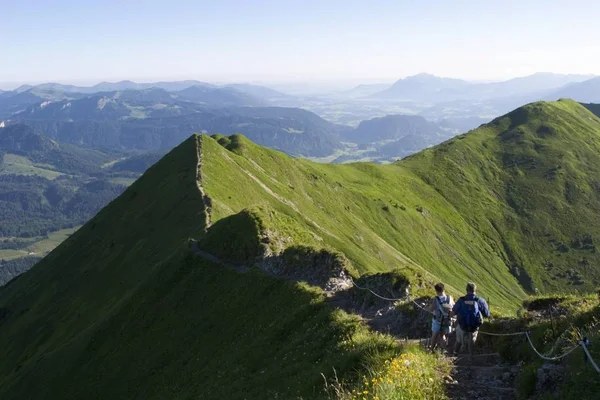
pixel 389 299
pixel 373 293
pixel 422 308
pixel 502 334
pixel 543 357
pixel 581 344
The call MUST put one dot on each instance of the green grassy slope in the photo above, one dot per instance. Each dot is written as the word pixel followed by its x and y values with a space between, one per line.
pixel 528 182
pixel 122 309
pixel 190 330
pixel 380 217
pixel 556 323
pixel 127 311
pixel 97 269
pixel 516 198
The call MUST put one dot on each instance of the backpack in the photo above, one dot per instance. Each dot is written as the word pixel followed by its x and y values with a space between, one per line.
pixel 442 312
pixel 470 316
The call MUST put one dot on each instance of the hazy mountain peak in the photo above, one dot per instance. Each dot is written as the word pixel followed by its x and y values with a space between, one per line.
pixel 423 76
pixel 23 88
pixel 587 91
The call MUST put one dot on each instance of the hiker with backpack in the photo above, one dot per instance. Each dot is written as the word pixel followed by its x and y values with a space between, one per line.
pixel 441 308
pixel 470 311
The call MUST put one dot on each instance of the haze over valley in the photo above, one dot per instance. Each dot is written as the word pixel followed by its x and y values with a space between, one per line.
pixel 283 199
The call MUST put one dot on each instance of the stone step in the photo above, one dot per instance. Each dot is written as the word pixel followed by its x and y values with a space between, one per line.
pixel 499 376
pixel 472 390
pixel 477 359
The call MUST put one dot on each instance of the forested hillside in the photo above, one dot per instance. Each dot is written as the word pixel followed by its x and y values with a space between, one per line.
pixel 123 125
pixel 48 187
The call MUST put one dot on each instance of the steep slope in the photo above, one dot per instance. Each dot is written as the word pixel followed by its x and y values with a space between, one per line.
pixel 528 182
pixel 523 188
pixel 380 217
pixel 84 288
pixel 127 311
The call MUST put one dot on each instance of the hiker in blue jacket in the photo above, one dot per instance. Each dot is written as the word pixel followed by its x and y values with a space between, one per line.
pixel 470 311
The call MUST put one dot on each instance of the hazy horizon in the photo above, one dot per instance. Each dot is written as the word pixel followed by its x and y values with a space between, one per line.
pixel 324 83
pixel 293 41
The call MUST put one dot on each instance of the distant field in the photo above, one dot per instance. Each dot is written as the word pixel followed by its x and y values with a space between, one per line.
pixel 12 254
pixel 19 165
pixel 41 247
pixel 113 162
pixel 45 246
pixel 351 151
pixel 122 181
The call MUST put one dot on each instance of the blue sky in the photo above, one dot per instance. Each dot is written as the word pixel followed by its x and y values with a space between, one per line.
pixel 292 40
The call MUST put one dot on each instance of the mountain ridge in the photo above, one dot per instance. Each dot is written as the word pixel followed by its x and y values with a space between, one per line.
pixel 124 124
pixel 166 261
pixel 584 92
pixel 457 212
pixel 438 89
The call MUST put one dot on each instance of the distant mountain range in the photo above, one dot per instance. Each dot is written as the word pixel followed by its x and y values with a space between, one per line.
pixel 261 92
pixel 151 119
pixel 143 116
pixel 427 87
pixel 137 104
pixel 126 122
pixel 416 88
pixel 114 86
pixel 422 87
pixel 175 86
pixel 206 94
pixel 585 92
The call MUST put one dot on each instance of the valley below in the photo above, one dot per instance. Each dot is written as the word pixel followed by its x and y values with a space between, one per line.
pixel 321 240
pixel 299 200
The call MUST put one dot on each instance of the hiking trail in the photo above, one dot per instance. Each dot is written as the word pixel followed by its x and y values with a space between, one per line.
pixel 484 377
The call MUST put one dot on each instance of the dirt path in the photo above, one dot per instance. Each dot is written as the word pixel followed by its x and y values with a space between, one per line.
pixel 483 377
